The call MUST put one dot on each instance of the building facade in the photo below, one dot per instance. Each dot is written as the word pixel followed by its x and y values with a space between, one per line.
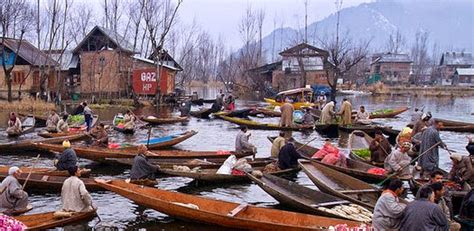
pixel 391 68
pixel 450 62
pixel 464 77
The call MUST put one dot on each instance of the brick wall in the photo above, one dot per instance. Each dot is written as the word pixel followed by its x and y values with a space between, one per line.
pixel 392 72
pixel 282 81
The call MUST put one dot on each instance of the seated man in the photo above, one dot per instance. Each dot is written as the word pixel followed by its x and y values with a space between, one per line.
pixel 12 197
pixel 288 156
pixel 74 195
pixel 242 143
pixel 68 158
pixel 462 171
pixel 388 210
pixel 142 168
pixel 439 192
pixel 470 145
pixel 398 161
pixel 362 117
pixel 467 206
pixel 100 135
pixel 62 125
pixel 308 119
pixel 379 148
pixel 129 120
pixel 52 121
pixel 277 144
pixel 14 124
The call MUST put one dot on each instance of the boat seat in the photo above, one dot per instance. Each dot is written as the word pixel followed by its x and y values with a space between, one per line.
pixel 238 209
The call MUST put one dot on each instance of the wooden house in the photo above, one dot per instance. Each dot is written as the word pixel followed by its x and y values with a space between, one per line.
pixel 450 62
pixel 391 68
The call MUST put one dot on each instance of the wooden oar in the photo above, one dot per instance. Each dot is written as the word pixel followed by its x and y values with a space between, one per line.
pixel 302 146
pixel 31 170
pixel 413 161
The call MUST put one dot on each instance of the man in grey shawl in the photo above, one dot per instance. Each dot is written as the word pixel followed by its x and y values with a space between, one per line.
pixel 242 143
pixel 12 197
pixel 429 142
pixel 388 209
pixel 141 168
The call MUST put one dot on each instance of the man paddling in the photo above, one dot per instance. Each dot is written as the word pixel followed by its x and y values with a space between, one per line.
pixel 388 209
pixel 12 196
pixel 68 158
pixel 398 160
pixel 74 195
pixel 14 124
pixel 142 168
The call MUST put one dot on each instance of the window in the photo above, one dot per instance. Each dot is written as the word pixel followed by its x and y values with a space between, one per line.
pixel 18 77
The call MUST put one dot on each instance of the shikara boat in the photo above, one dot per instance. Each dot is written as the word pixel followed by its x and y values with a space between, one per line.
pixel 370 130
pixel 299 93
pixel 360 140
pixel 388 114
pixel 27 126
pixel 264 126
pixel 293 195
pixel 464 128
pixel 170 120
pixel 266 112
pixel 118 125
pixel 218 212
pixel 453 123
pixel 40 121
pixel 355 168
pixel 100 153
pixel 73 129
pixel 27 145
pixel 327 130
pixel 241 113
pixel 203 113
pixel 50 184
pixel 210 175
pixel 45 171
pixel 341 185
pixel 213 163
pixel 43 221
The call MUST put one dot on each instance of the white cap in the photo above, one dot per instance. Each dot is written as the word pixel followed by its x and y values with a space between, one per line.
pixel 13 170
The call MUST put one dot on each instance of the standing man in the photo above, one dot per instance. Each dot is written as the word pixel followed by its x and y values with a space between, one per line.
pixel 388 209
pixel 379 148
pixel 242 143
pixel 87 116
pixel 277 144
pixel 68 158
pixel 287 109
pixel 13 197
pixel 74 195
pixel 346 112
pixel 470 145
pixel 52 121
pixel 421 124
pixel 429 139
pixel 288 156
pixel 423 214
pixel 142 168
pixel 327 114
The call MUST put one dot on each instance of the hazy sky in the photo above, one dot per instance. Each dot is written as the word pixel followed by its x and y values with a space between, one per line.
pixel 221 17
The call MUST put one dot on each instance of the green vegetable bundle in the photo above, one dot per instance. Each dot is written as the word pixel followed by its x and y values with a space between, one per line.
pixel 76 119
pixel 382 111
pixel 364 153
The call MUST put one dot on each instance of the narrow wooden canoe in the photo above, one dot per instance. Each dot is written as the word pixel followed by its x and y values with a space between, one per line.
pixel 170 120
pixel 42 221
pixel 360 140
pixel 45 171
pixel 463 128
pixel 266 112
pixel 40 121
pixel 100 153
pixel 450 123
pixel 263 126
pixel 355 168
pixel 213 163
pixel 327 130
pixel 27 125
pixel 392 114
pixel 293 195
pixel 210 176
pixel 27 145
pixel 50 184
pixel 370 130
pixel 46 134
pixel 203 113
pixel 218 212
pixel 297 105
pixel 341 185
pixel 119 119
pixel 164 141
pixel 128 131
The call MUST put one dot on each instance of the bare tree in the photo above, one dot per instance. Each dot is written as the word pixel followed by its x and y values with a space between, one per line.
pixel 81 21
pixel 419 54
pixel 395 42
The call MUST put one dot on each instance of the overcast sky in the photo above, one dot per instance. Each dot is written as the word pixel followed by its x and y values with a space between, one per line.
pixel 221 17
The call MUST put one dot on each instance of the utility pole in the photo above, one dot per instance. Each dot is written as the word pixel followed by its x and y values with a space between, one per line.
pixel 38 24
pixel 306 21
pixel 338 8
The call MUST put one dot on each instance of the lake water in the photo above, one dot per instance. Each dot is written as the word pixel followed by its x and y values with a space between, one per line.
pixel 118 212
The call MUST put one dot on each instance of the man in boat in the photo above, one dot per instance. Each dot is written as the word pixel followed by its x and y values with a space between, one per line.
pixel 470 146
pixel 462 171
pixel 423 214
pixel 288 156
pixel 230 103
pixel 398 160
pixel 379 148
pixel 14 124
pixel 467 206
pixel 12 196
pixel 68 158
pixel 87 116
pixel 100 135
pixel 308 119
pixel 327 114
pixel 74 195
pixel 52 121
pixel 429 141
pixel 142 168
pixel 346 112
pixel 287 109
pixel 277 144
pixel 421 125
pixel 129 120
pixel 79 109
pixel 218 104
pixel 439 193
pixel 242 143
pixel 321 100
pixel 362 117
pixel 388 210
pixel 62 125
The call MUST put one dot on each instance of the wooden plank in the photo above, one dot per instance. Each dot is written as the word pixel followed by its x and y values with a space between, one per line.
pixel 359 191
pixel 238 209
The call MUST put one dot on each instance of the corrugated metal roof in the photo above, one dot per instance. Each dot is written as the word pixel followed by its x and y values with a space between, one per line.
pixel 64 60
pixel 465 71
pixel 391 58
pixel 120 41
pixel 29 53
pixel 457 58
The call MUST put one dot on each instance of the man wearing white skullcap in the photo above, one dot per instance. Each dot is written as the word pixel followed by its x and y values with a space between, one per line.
pixel 12 196
pixel 398 160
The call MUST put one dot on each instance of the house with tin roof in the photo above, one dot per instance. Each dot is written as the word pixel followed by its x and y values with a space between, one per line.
pixel 391 68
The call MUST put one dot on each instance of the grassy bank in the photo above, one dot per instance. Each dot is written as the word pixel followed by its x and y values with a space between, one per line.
pixel 27 106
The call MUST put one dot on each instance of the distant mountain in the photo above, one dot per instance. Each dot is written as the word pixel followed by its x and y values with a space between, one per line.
pixel 448 22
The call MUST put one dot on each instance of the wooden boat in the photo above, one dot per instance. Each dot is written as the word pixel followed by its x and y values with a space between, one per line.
pixel 40 121
pixel 43 221
pixel 213 163
pixel 327 130
pixel 164 141
pixel 27 145
pixel 100 153
pixel 293 195
pixel 170 120
pixel 341 185
pixel 266 112
pixel 82 126
pixel 18 212
pixel 370 130
pixel 50 184
pixel 355 168
pixel 73 129
pixel 203 113
pixel 360 140
pixel 299 93
pixel 464 128
pixel 453 123
pixel 264 126
pixel 118 119
pixel 242 113
pixel 218 212
pixel 202 101
pixel 27 126
pixel 391 114
pixel 45 171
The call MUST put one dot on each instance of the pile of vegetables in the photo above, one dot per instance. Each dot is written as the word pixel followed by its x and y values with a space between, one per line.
pixel 382 111
pixel 76 119
pixel 363 153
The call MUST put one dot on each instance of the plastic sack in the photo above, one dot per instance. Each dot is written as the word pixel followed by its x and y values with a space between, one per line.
pixel 242 165
pixel 226 167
